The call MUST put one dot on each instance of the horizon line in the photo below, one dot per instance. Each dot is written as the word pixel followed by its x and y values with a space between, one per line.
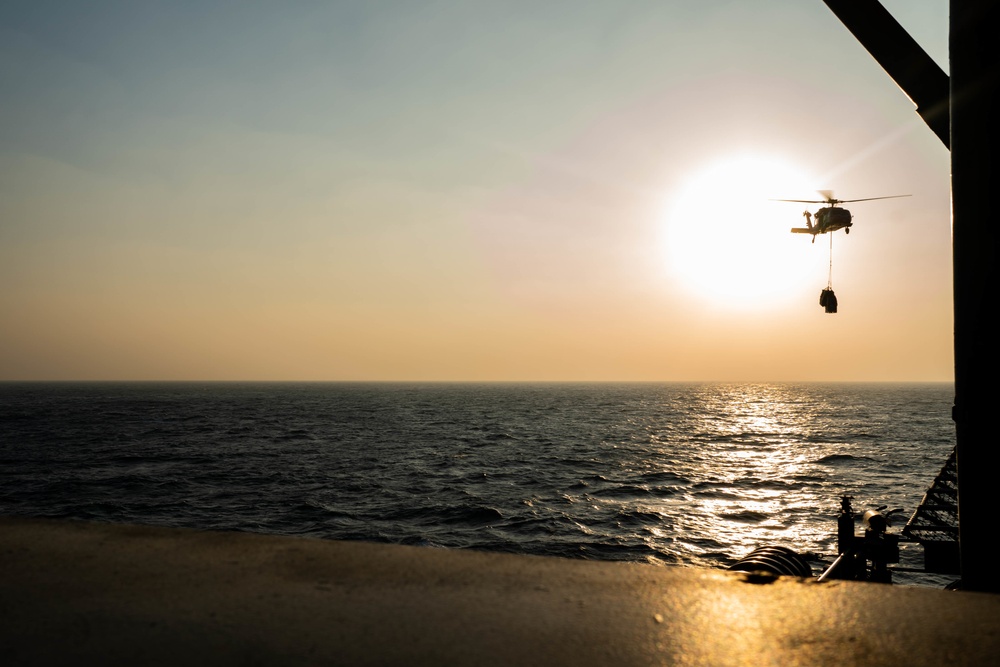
pixel 440 381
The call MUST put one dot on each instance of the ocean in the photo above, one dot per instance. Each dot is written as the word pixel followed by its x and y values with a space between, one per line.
pixel 689 474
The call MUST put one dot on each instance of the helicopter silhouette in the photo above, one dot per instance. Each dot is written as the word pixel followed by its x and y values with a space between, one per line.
pixel 829 218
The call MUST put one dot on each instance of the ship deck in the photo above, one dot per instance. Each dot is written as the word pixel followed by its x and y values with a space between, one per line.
pixel 82 593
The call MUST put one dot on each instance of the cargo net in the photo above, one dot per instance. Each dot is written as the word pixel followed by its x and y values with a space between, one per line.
pixel 936 518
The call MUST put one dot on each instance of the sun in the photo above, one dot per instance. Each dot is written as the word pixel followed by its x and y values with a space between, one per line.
pixel 725 242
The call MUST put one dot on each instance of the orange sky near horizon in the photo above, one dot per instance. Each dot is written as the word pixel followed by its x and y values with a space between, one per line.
pixel 464 192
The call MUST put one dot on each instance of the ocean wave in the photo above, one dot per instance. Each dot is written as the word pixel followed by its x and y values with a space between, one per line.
pixel 686 474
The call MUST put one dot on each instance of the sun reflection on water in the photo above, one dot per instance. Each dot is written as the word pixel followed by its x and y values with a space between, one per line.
pixel 749 470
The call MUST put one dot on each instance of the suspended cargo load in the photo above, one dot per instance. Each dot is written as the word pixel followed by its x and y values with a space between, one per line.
pixel 828 300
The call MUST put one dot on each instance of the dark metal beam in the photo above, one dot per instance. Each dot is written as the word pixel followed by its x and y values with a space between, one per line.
pixel 901 57
pixel 975 144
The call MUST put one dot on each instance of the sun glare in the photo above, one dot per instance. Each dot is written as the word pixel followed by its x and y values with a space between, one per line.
pixel 725 242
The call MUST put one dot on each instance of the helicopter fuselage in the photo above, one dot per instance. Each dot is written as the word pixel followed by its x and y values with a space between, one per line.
pixel 828 219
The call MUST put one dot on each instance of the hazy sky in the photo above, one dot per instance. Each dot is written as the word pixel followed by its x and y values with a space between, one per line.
pixel 463 190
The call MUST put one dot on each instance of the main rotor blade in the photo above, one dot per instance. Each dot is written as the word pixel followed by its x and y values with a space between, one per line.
pixel 828 196
pixel 801 201
pixel 837 201
pixel 874 198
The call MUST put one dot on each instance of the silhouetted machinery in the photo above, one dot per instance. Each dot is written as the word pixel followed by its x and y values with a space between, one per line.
pixel 865 557
pixel 773 560
pixel 869 555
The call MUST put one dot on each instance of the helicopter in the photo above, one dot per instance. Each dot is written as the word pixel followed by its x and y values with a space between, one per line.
pixel 829 218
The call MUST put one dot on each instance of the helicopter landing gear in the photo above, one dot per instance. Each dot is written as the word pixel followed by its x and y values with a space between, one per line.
pixel 847 230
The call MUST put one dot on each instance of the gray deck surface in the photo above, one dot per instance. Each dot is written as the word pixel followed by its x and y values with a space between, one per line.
pixel 81 593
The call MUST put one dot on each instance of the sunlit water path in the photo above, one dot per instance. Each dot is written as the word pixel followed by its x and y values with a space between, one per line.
pixel 688 474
